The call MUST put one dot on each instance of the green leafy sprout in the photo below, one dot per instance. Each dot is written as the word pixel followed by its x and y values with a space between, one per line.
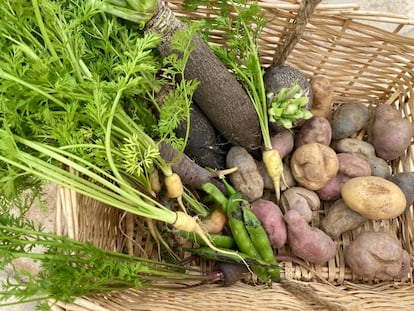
pixel 288 106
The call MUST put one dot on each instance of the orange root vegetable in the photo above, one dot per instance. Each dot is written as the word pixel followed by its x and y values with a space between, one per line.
pixel 215 222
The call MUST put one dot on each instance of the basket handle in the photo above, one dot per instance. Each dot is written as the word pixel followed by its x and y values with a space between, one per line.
pixel 306 9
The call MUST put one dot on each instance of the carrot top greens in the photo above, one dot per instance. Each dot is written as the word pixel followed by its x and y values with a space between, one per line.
pixel 75 78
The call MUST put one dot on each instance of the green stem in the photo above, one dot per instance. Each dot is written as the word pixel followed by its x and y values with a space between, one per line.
pixel 43 30
pixel 139 203
pixel 6 76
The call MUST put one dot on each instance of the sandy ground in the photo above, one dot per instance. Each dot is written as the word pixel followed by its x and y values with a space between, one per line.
pixel 46 217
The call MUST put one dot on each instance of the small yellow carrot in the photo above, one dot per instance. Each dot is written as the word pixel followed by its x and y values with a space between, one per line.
pixel 175 189
pixel 274 167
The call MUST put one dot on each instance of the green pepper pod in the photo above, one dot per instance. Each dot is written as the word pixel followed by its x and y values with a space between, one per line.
pixel 260 240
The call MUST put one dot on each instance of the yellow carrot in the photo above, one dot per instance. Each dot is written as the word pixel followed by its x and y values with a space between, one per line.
pixel 175 188
pixel 274 167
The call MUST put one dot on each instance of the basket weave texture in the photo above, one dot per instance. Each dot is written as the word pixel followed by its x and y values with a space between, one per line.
pixel 366 64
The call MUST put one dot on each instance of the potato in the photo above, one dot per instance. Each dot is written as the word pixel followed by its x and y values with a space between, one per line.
pixel 313 165
pixel 405 181
pixel 389 133
pixel 350 165
pixel 377 255
pixel 310 244
pixel 301 199
pixel 283 142
pixel 379 167
pixel 247 179
pixel 314 130
pixel 322 89
pixel 339 218
pixel 363 149
pixel 354 145
pixel 374 197
pixel 348 119
pixel 271 218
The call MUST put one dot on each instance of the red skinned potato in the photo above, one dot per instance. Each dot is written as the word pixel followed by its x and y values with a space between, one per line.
pixel 271 218
pixel 389 133
pixel 314 130
pixel 377 255
pixel 350 165
pixel 310 244
pixel 283 142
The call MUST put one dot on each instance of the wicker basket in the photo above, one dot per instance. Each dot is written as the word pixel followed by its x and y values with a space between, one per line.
pixel 367 64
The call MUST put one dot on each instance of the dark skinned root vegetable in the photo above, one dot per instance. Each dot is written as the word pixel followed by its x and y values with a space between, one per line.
pixel 205 146
pixel 285 76
pixel 231 272
pixel 219 95
pixel 191 173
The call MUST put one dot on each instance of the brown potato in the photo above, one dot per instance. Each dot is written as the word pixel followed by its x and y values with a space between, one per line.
pixel 303 200
pixel 339 218
pixel 389 133
pixel 247 179
pixel 322 96
pixel 313 165
pixel 377 255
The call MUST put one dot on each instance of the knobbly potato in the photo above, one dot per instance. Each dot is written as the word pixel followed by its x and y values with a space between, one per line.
pixel 247 179
pixel 348 119
pixel 339 218
pixel 302 200
pixel 377 255
pixel 313 165
pixel 350 165
pixel 308 243
pixel 322 96
pixel 374 197
pixel 314 130
pixel 389 133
